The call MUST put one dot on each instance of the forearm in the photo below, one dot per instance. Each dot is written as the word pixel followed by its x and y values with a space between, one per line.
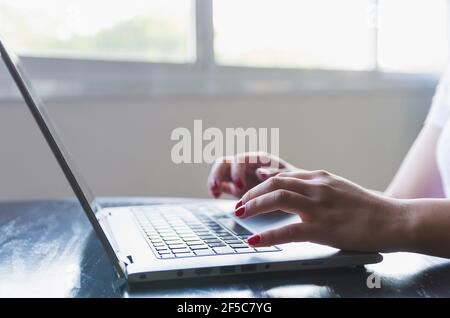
pixel 426 228
pixel 418 176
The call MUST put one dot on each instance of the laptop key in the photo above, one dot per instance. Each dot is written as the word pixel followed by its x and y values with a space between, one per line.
pixel 267 249
pixel 166 231
pixel 216 244
pixel 177 247
pixel 212 241
pixel 192 239
pixel 238 245
pixel 245 250
pixel 167 256
pixel 177 241
pixel 202 233
pixel 181 251
pixel 199 247
pixel 233 241
pixel 220 232
pixel 185 254
pixel 195 243
pixel 207 237
pixel 204 252
pixel 185 233
pixel 223 250
pixel 171 238
pixel 227 237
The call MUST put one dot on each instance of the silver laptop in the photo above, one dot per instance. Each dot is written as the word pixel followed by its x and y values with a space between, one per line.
pixel 164 242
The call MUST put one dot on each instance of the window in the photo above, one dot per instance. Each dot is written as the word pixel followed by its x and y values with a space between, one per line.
pixel 325 34
pixel 412 35
pixel 394 35
pixel 156 30
pixel 103 48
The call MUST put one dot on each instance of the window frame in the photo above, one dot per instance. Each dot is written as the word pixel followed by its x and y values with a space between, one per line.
pixel 96 78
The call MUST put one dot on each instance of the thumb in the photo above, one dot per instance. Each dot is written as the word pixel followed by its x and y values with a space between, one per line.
pixel 265 173
pixel 295 232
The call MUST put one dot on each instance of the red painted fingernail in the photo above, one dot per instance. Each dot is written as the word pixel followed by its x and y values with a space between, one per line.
pixel 214 184
pixel 239 184
pixel 255 239
pixel 240 211
pixel 238 205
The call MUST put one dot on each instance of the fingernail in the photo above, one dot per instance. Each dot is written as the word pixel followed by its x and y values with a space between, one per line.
pixel 255 239
pixel 214 184
pixel 238 205
pixel 263 171
pixel 240 211
pixel 239 184
pixel 215 192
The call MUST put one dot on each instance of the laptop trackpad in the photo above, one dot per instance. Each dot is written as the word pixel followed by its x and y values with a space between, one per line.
pixel 263 222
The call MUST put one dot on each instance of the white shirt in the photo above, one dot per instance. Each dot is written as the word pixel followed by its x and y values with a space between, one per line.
pixel 439 116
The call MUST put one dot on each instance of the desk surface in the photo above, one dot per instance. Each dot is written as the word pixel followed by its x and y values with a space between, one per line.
pixel 48 249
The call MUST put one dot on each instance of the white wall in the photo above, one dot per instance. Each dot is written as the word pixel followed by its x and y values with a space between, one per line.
pixel 123 146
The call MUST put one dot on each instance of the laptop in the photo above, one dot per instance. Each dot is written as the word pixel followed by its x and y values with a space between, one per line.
pixel 176 241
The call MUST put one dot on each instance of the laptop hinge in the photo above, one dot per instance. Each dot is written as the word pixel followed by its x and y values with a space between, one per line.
pixel 126 260
pixel 102 217
pixel 102 214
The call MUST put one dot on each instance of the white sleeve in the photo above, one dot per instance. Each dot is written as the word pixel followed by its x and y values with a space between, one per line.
pixel 440 107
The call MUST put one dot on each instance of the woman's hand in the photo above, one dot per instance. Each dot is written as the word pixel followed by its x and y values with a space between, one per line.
pixel 333 211
pixel 235 175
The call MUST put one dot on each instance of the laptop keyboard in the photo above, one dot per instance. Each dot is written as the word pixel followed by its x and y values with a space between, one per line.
pixel 174 232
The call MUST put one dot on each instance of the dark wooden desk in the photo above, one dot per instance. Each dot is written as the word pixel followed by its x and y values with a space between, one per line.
pixel 48 249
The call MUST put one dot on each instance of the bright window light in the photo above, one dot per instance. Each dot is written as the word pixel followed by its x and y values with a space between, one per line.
pixel 412 35
pixel 157 30
pixel 391 35
pixel 324 34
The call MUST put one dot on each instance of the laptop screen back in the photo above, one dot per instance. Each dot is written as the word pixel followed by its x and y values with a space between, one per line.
pixel 39 113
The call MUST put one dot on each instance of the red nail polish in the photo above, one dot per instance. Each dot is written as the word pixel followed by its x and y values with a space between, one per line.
pixel 238 205
pixel 255 239
pixel 239 184
pixel 240 211
pixel 214 184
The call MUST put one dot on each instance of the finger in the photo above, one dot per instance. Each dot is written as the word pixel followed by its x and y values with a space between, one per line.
pixel 238 169
pixel 243 163
pixel 297 232
pixel 284 200
pixel 229 188
pixel 305 174
pixel 265 173
pixel 278 183
pixel 220 172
